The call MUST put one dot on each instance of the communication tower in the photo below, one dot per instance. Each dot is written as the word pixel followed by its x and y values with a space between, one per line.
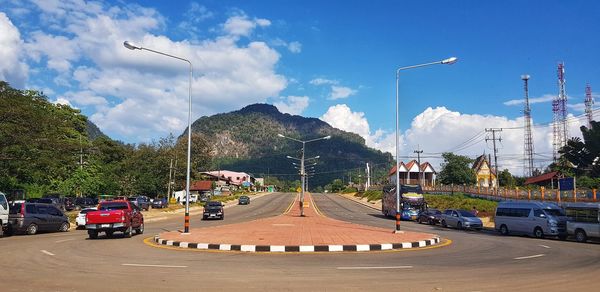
pixel 559 110
pixel 528 143
pixel 589 101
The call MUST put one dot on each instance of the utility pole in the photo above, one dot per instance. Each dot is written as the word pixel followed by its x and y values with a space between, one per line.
pixel 589 101
pixel 368 173
pixel 170 179
pixel 494 139
pixel 419 163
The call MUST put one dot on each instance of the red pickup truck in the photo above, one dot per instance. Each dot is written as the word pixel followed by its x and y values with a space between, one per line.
pixel 112 216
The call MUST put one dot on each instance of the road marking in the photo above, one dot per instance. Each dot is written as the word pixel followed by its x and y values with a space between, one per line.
pixel 153 266
pixel 374 268
pixel 530 257
pixel 47 252
pixel 59 241
pixel 544 246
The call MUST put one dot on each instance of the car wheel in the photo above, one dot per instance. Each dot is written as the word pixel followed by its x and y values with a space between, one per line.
pixel 580 236
pixel 128 232
pixel 222 217
pixel 140 230
pixel 32 229
pixel 204 217
pixel 459 226
pixel 93 234
pixel 503 229
pixel 64 227
pixel 538 232
pixel 444 223
pixel 430 221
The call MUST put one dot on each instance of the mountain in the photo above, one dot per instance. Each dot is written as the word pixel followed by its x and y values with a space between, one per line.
pixel 93 131
pixel 247 140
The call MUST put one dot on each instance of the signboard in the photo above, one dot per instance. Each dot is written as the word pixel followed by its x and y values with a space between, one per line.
pixel 299 189
pixel 566 184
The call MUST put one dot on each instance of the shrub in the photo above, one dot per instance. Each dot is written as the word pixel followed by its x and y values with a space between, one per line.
pixel 349 190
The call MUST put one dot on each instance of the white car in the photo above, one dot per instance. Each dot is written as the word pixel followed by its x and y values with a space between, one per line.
pixel 80 220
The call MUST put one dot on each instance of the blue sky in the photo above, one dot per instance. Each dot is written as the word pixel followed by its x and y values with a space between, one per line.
pixel 335 60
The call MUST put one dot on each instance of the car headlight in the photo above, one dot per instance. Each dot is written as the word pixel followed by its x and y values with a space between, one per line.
pixel 552 222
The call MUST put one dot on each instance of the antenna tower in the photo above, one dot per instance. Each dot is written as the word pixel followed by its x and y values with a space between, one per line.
pixel 559 110
pixel 589 101
pixel 528 143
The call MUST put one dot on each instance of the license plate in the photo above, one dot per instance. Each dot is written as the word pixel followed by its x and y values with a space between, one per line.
pixel 104 225
pixel 212 215
pixel 413 217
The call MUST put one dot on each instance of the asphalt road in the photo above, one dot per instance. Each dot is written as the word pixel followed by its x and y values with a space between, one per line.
pixel 474 261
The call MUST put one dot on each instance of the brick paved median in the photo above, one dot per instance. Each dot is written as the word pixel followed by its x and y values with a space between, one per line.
pixel 290 232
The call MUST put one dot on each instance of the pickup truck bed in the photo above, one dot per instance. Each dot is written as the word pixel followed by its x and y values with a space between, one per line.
pixel 111 216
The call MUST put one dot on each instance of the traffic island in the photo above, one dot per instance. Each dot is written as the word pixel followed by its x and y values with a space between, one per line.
pixel 291 233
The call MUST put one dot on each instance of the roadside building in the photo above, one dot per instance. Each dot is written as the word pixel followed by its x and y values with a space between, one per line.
pixel 546 179
pixel 411 172
pixel 486 176
pixel 232 178
pixel 201 187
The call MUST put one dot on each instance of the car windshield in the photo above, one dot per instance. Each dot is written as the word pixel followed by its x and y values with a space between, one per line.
pixel 434 211
pixel 555 212
pixel 132 199
pixel 86 210
pixel 214 204
pixel 113 206
pixel 465 213
pixel 45 201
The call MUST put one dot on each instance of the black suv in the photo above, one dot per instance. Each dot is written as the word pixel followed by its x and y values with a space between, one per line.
pixel 244 200
pixel 213 209
pixel 29 218
pixel 142 202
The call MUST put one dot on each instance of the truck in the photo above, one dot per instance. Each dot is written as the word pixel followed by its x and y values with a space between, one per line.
pixel 119 215
pixel 411 201
pixel 3 214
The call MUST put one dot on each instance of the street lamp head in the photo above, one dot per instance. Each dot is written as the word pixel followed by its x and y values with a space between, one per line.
pixel 317 157
pixel 280 135
pixel 289 157
pixel 450 61
pixel 327 137
pixel 131 46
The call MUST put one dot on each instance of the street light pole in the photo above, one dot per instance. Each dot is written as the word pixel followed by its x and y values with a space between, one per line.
pixel 448 61
pixel 302 172
pixel 186 226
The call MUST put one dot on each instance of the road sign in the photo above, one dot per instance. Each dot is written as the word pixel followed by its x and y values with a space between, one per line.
pixel 566 184
pixel 299 189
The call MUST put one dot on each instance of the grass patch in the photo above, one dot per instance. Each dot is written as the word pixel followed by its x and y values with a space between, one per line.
pixel 370 195
pixel 349 190
pixel 486 208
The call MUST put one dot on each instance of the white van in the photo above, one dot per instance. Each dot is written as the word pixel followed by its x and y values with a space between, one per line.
pixel 3 214
pixel 531 218
pixel 583 220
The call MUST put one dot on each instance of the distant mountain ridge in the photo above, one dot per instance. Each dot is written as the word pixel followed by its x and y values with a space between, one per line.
pixel 247 140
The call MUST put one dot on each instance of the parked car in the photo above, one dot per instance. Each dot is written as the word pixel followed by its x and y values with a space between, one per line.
pixel 244 200
pixel 531 218
pixel 56 202
pixel 85 202
pixel 583 220
pixel 213 209
pixel 119 215
pixel 69 203
pixel 160 203
pixel 141 201
pixel 4 210
pixel 460 219
pixel 430 216
pixel 29 218
pixel 81 217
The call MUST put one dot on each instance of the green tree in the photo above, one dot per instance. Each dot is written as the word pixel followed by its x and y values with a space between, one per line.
pixel 581 156
pixel 506 179
pixel 456 169
pixel 337 185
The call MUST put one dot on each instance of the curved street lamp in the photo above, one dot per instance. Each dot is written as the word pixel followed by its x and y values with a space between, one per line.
pixel 448 61
pixel 186 226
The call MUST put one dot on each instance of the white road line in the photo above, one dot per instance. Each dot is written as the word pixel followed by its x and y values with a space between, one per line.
pixel 530 257
pixel 374 268
pixel 47 252
pixel 153 266
pixel 544 246
pixel 59 241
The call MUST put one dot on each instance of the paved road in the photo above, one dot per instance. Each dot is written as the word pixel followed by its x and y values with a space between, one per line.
pixel 474 261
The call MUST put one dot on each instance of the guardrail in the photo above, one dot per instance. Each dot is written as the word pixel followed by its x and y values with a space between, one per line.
pixel 501 194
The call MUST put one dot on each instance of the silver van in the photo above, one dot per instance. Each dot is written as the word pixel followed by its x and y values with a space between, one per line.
pixel 3 214
pixel 583 220
pixel 531 218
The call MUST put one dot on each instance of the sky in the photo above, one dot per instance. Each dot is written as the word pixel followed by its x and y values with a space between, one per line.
pixel 333 60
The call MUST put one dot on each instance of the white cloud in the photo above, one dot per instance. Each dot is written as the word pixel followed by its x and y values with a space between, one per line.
pixel 543 98
pixel 321 81
pixel 138 95
pixel 12 68
pixel 293 105
pixel 338 92
pixel 241 25
pixel 63 101
pixel 295 47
